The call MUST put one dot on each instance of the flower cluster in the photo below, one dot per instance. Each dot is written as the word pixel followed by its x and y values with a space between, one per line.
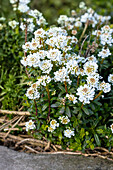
pixel 63 120
pixel 66 72
pixel 89 16
pixel 34 17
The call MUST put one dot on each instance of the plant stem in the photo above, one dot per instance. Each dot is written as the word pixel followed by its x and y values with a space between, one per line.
pixel 65 86
pixel 102 61
pixel 85 28
pixel 82 105
pixel 25 54
pixel 78 80
pixel 36 107
pixel 47 89
pixel 98 95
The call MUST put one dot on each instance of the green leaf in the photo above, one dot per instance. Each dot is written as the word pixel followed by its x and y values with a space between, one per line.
pixel 60 136
pixel 98 103
pixel 62 110
pixel 97 140
pixel 55 105
pixel 68 112
pixel 61 88
pixel 92 106
pixel 45 106
pixel 1 87
pixel 100 131
pixel 80 114
pixel 82 133
pixel 85 110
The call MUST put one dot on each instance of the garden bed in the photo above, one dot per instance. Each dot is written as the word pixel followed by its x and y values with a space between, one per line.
pixel 13 135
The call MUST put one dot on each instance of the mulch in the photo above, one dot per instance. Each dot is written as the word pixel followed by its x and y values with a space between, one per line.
pixel 13 135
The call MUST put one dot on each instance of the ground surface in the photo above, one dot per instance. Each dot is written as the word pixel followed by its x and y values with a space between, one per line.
pixel 13 160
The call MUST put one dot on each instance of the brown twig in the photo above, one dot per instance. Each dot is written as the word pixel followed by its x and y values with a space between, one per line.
pixel 83 44
pixel 48 146
pixel 8 123
pixel 13 126
pixel 84 30
pixel 22 113
pixel 31 149
pixel 14 129
pixel 30 140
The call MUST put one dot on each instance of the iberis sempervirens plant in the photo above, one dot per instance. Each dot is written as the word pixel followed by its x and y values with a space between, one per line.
pixel 64 67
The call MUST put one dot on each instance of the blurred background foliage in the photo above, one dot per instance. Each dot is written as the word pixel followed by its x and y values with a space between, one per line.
pixel 51 9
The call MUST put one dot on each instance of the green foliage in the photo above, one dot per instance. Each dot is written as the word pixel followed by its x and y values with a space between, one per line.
pixel 11 71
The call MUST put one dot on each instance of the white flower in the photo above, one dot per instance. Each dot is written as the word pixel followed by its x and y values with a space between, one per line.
pixel 72 98
pixel 92 58
pixel 105 87
pixel 43 80
pixel 32 94
pixel 24 61
pixel 13 1
pixel 64 119
pixel 78 24
pixel 41 21
pixel 82 5
pixel 106 28
pixel 23 8
pixel 62 19
pixel 85 93
pixel 110 78
pixel 30 125
pixel 62 75
pixel 54 124
pixel 111 127
pixel 97 33
pixel 93 80
pixel 33 60
pixel 39 33
pixel 104 53
pixel 26 47
pixel 90 67
pixel 34 45
pixel 13 24
pixel 106 38
pixel 31 27
pixel 42 54
pixel 73 12
pixel 54 55
pixel 46 66
pixel 80 71
pixel 68 133
pixel 84 17
pixel 50 129
pixel 72 66
pixel 34 86
pixel 2 18
pixel 24 1
pixel 22 26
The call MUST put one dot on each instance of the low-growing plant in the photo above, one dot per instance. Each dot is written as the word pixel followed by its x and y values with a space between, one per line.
pixel 67 79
